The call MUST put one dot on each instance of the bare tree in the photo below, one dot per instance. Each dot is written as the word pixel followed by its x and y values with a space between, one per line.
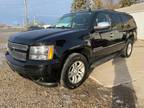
pixel 78 5
pixel 124 3
pixel 109 4
pixel 86 4
pixel 98 3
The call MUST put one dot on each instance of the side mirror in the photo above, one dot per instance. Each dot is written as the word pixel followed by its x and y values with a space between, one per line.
pixel 102 25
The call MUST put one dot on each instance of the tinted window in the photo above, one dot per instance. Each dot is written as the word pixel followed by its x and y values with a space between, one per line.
pixel 75 20
pixel 132 22
pixel 102 17
pixel 115 21
pixel 125 18
pixel 128 22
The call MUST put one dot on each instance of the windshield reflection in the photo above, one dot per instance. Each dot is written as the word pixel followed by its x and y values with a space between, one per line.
pixel 75 20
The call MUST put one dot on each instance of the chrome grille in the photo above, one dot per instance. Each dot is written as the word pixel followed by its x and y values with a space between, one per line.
pixel 18 51
pixel 17 46
pixel 18 55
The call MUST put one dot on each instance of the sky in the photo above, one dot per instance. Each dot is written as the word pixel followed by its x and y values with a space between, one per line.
pixel 12 11
pixel 47 11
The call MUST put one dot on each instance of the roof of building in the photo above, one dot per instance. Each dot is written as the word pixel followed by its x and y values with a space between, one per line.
pixel 133 8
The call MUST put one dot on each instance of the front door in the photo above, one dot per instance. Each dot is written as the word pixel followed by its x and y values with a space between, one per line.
pixel 106 34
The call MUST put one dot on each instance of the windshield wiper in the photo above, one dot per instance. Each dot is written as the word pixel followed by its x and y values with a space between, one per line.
pixel 62 27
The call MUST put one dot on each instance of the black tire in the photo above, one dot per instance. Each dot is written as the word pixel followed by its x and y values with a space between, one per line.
pixel 125 52
pixel 73 58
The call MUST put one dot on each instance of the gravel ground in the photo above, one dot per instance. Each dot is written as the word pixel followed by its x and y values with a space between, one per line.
pixel 18 92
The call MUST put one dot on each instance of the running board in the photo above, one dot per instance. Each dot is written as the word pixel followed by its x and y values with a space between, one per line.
pixel 103 60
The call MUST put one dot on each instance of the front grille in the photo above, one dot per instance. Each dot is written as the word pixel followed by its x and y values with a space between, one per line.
pixel 17 46
pixel 18 51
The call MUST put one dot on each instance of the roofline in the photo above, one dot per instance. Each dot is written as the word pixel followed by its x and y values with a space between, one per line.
pixel 96 10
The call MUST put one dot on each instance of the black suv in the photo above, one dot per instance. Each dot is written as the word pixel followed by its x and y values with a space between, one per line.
pixel 64 52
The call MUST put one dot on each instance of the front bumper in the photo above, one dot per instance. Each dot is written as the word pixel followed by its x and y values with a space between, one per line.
pixel 39 71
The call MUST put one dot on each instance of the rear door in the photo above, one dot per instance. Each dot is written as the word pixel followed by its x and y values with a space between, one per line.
pixel 117 27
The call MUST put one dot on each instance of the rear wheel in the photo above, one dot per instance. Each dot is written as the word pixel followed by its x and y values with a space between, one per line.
pixel 127 51
pixel 74 71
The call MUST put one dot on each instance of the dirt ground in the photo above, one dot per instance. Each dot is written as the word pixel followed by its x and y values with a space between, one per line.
pixel 18 92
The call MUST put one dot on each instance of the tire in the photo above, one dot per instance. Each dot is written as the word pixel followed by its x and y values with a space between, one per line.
pixel 127 51
pixel 76 65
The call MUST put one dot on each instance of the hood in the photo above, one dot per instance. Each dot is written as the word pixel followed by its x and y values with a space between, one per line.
pixel 32 36
pixel 36 36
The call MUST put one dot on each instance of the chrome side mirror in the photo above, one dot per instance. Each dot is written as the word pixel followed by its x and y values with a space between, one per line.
pixel 102 25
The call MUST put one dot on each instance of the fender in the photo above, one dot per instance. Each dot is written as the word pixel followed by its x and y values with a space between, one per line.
pixel 79 48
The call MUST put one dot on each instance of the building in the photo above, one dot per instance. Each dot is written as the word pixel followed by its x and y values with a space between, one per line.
pixel 137 11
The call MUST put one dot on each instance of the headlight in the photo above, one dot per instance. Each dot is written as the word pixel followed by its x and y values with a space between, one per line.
pixel 41 52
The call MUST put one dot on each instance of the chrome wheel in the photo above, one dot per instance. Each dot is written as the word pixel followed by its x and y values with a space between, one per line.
pixel 129 49
pixel 76 72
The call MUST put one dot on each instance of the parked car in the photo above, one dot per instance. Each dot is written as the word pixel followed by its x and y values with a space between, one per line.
pixel 64 53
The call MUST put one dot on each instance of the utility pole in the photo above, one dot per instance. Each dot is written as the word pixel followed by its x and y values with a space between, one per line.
pixel 111 2
pixel 26 19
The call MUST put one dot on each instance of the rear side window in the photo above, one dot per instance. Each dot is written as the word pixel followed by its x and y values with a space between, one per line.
pixel 132 22
pixel 128 22
pixel 116 21
pixel 125 18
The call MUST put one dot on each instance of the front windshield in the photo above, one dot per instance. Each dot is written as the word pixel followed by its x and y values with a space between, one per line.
pixel 77 20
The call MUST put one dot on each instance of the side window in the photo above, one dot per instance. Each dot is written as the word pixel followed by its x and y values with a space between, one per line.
pixel 127 22
pixel 125 19
pixel 101 17
pixel 132 23
pixel 116 21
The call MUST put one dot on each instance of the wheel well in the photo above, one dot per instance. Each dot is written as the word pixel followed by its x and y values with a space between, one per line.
pixel 67 53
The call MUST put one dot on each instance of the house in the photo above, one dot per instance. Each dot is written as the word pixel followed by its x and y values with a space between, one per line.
pixel 137 11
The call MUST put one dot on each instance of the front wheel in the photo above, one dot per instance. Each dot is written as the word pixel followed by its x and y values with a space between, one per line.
pixel 74 71
pixel 127 51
